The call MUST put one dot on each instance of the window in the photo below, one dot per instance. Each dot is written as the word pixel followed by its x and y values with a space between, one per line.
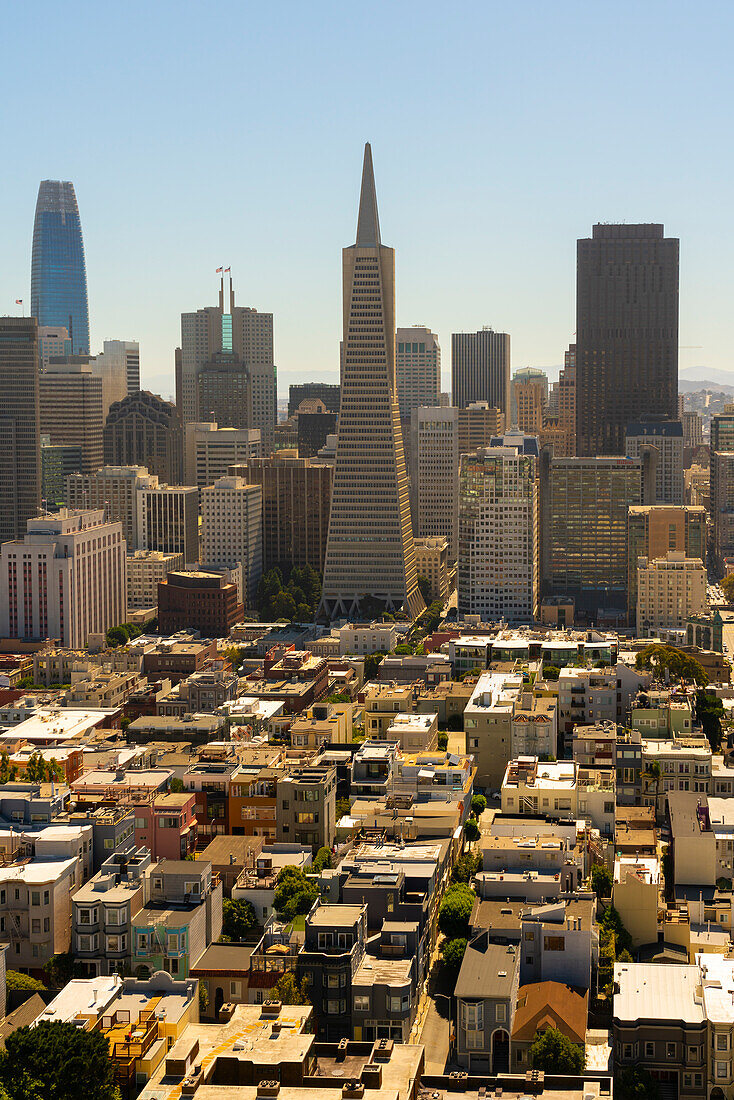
pixel 500 1013
pixel 554 943
pixel 361 1003
pixel 332 981
pixel 235 989
pixel 36 924
pixel 109 843
pixel 472 1015
pixel 114 916
pixel 626 1050
pixel 722 1042
pixel 141 823
pixel 46 896
pixel 193 887
pixel 325 940
pixel 529 935
pixel 670 1050
pixel 722 1069
pixel 35 897
pixel 649 1050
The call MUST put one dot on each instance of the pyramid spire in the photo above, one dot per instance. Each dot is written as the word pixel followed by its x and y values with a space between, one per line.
pixel 368 223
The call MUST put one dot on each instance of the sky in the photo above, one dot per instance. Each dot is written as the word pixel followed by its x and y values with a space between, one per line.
pixel 200 135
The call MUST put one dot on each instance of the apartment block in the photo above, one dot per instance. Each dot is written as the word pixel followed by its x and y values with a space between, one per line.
pixel 231 530
pixel 306 809
pixel 145 570
pixel 670 590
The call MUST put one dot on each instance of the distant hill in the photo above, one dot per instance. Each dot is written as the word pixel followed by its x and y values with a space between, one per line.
pixel 691 385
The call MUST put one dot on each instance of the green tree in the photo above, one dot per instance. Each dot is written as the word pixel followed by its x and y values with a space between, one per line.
pixel 709 710
pixel 666 660
pixel 288 991
pixel 601 880
pixel 455 911
pixel 322 860
pixel 554 1052
pixel 16 980
pixel 466 867
pixel 203 999
pixel 371 664
pixel 238 918
pixel 343 808
pixel 425 588
pixel 612 922
pixel 59 1056
pixel 478 805
pixel 294 893
pixel 551 672
pixel 284 606
pixel 471 830
pixel 60 969
pixel 177 785
pixel 635 1083
pixel 452 954
pixel 727 586
pixel 443 740
pixel 116 636
pixel 651 777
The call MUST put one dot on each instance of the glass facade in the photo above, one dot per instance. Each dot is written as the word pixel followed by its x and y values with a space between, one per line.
pixel 58 271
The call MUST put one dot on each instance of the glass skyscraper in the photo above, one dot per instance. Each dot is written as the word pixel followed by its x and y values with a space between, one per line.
pixel 58 271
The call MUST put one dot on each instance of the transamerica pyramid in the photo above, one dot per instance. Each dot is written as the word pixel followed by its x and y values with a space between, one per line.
pixel 369 551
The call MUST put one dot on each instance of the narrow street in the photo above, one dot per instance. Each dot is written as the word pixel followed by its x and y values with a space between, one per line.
pixel 436 1023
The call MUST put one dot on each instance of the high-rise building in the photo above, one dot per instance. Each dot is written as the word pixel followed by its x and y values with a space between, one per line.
pixel 669 591
pixel 559 426
pixel 58 270
pixel 722 505
pixel 168 520
pixel 64 580
pixel 224 391
pixel 114 488
pixel 434 478
pixel 145 430
pixel 145 570
pixel 583 528
pixel 20 428
pixel 314 423
pixel 296 495
pixel 369 550
pixel 118 365
pixel 71 408
pixel 53 340
pixel 417 369
pixel 653 530
pixel 480 369
pixel 210 450
pixel 692 428
pixel 626 333
pixel 434 564
pixel 498 531
pixel 478 423
pixel 243 334
pixel 529 400
pixel 329 393
pixel 57 464
pixel 666 436
pixel 231 530
pixel 203 601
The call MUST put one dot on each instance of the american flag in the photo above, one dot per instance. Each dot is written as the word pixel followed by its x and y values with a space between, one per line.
pixel 219 271
pixel 19 301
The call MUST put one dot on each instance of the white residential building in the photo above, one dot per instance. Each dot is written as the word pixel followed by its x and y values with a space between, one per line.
pixel 209 451
pixel 65 580
pixel 498 531
pixel 434 474
pixel 504 719
pixel 145 568
pixel 375 638
pixel 669 591
pixel 231 530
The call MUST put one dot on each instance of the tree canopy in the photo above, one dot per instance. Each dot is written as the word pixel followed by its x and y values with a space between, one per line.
pixel 238 918
pixel 322 860
pixel 709 710
pixel 288 990
pixel 667 661
pixel 554 1052
pixel 61 1060
pixel 452 954
pixel 294 894
pixel 294 596
pixel 455 911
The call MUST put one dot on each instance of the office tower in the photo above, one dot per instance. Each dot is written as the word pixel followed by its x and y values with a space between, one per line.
pixel 53 341
pixel 583 529
pixel 145 570
pixel 653 530
pixel 71 408
pixel 114 488
pixel 666 436
pixel 722 506
pixel 57 464
pixel 529 400
pixel 241 336
pixel 498 531
pixel 145 430
pixel 434 474
pixel 314 422
pixel 224 391
pixel 231 530
pixel 210 450
pixel 20 428
pixel 58 271
pixel 369 551
pixel 480 369
pixel 670 589
pixel 692 429
pixel 296 495
pixel 561 432
pixel 478 423
pixel 168 520
pixel 64 580
pixel 626 333
pixel 327 392
pixel 118 365
pixel 417 369
pixel 202 601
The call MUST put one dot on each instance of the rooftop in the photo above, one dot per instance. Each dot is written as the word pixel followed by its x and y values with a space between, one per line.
pixel 661 992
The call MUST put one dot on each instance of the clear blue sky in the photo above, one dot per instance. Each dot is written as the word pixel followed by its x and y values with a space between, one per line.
pixel 231 133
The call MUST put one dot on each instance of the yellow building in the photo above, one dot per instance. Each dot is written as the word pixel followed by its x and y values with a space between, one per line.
pixel 635 896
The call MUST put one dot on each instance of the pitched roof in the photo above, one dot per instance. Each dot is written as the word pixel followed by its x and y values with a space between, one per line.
pixel 550 1004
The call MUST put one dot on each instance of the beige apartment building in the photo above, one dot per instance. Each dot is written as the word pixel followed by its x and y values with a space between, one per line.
pixel 434 476
pixel 209 451
pixel 381 703
pixel 655 529
pixel 432 562
pixel 669 591
pixel 145 569
pixel 114 488
pixel 231 530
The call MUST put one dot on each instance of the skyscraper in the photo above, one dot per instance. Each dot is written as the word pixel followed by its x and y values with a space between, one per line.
pixel 529 400
pixel 238 334
pixel 480 369
pixel 71 409
pixel 58 271
pixel 118 365
pixel 626 333
pixel 145 430
pixel 434 474
pixel 369 550
pixel 417 370
pixel 666 436
pixel 20 438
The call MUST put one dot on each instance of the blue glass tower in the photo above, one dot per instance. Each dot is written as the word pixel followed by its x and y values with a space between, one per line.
pixel 58 271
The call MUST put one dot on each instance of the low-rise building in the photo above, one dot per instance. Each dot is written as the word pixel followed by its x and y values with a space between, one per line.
pixel 414 732
pixel 35 910
pixel 486 995
pixel 181 918
pixel 306 807
pixel 381 703
pixel 374 638
pixel 103 910
pixel 636 896
pixel 333 951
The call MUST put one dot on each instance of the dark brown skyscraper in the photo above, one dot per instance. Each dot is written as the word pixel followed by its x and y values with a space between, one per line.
pixel 20 440
pixel 626 333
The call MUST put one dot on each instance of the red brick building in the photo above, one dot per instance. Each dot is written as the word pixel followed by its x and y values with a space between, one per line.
pixel 206 602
